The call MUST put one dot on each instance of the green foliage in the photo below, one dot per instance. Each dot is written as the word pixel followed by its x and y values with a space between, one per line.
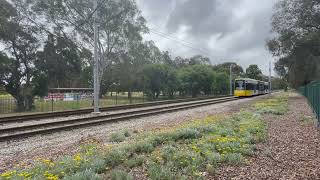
pixel 196 79
pixel 83 175
pixel 135 161
pixel 254 72
pixel 297 42
pixel 159 78
pixel 117 137
pixel 277 106
pixel 120 175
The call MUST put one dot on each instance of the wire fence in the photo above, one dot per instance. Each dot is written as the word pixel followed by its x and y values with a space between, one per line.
pixel 74 101
pixel 312 93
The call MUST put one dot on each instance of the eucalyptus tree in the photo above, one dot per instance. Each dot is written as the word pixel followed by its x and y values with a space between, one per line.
pixel 19 38
pixel 120 22
pixel 296 24
pixel 254 72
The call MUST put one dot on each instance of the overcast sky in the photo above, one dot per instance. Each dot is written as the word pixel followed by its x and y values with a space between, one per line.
pixel 224 30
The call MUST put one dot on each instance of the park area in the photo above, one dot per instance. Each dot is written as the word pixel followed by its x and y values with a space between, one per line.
pixel 8 103
pixel 264 138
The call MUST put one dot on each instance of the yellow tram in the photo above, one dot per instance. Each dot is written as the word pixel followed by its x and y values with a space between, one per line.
pixel 250 87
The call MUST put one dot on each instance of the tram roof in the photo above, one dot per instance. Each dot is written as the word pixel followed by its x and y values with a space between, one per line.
pixel 249 79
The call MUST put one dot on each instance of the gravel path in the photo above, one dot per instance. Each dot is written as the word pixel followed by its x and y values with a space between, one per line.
pixel 292 150
pixel 66 142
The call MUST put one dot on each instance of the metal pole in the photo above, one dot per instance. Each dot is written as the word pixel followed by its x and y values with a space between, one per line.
pixel 270 77
pixel 95 63
pixel 231 80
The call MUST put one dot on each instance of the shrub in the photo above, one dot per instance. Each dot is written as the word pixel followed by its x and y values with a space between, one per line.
pixel 117 137
pixel 116 157
pixel 156 171
pixel 233 158
pixel 126 133
pixel 83 175
pixel 135 161
pixel 120 175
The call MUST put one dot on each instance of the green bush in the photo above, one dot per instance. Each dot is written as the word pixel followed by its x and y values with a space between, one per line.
pixel 117 137
pixel 84 175
pixel 120 175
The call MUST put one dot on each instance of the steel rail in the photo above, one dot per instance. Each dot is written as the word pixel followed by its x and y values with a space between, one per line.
pixel 42 128
pixel 34 116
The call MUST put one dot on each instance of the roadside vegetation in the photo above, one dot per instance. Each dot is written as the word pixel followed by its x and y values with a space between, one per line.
pixel 191 150
pixel 276 106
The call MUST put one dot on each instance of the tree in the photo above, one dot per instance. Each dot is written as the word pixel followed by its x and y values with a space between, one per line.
pixel 120 23
pixel 297 25
pixel 60 61
pixel 221 83
pixel 254 72
pixel 19 38
pixel 237 70
pixel 199 60
pixel 159 78
pixel 196 79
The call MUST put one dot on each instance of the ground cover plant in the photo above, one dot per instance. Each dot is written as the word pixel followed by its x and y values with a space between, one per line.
pixel 277 105
pixel 189 151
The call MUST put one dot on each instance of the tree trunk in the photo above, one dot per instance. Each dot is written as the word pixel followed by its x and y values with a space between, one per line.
pixel 24 103
pixel 130 95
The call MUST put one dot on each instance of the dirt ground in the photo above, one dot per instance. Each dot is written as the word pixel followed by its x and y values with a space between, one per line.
pixel 292 150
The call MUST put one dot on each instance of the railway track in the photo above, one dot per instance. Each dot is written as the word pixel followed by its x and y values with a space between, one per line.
pixel 34 116
pixel 8 133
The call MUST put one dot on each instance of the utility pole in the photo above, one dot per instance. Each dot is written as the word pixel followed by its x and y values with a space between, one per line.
pixel 270 78
pixel 231 84
pixel 95 61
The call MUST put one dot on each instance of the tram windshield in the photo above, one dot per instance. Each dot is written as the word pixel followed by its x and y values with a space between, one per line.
pixel 239 85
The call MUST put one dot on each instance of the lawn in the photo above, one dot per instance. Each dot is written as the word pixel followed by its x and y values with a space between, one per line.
pixel 8 106
pixel 193 150
pixel 7 103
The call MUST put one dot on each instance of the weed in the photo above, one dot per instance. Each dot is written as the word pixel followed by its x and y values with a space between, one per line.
pixel 126 133
pixel 157 171
pixel 116 157
pixel 120 175
pixel 233 158
pixel 276 106
pixel 135 161
pixel 83 175
pixel 117 137
pixel 187 133
pixel 307 119
pixel 168 152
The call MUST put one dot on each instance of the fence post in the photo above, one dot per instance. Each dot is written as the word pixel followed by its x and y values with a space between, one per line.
pixel 52 103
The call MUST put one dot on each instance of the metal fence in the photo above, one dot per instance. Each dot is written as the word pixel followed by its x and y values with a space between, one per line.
pixel 312 93
pixel 48 104
pixel 75 101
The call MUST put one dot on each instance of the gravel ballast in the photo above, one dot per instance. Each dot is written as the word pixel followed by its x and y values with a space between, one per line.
pixel 53 145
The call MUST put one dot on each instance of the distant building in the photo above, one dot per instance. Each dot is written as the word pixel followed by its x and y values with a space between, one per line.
pixel 69 94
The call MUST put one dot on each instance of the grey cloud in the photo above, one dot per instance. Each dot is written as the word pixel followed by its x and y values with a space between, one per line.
pixel 241 37
pixel 203 17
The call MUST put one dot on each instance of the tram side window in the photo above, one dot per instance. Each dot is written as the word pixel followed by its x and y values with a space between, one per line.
pixel 240 85
pixel 251 86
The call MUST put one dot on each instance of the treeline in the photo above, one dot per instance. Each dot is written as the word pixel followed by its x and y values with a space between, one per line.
pixel 297 44
pixel 49 44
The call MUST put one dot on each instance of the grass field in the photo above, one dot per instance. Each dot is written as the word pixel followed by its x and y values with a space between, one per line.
pixel 8 106
pixel 191 150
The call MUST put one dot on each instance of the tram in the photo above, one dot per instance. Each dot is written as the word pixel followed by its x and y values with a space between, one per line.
pixel 250 87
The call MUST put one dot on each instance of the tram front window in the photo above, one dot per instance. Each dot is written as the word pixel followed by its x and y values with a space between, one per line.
pixel 239 85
